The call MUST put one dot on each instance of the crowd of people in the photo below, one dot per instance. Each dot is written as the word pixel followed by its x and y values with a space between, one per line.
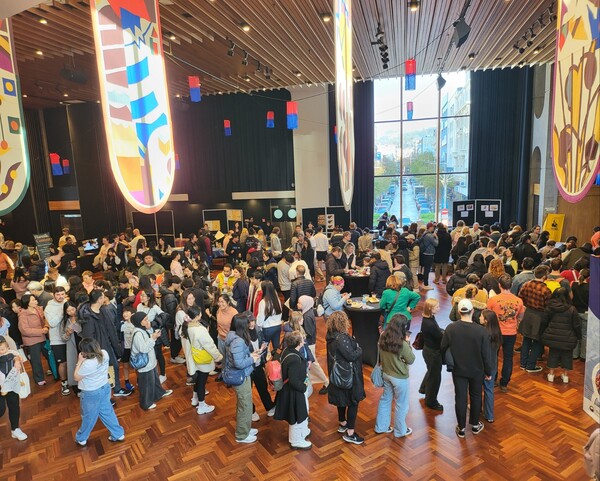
pixel 98 328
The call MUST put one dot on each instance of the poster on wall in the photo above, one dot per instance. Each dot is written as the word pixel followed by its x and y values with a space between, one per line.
pixel 576 110
pixel 14 161
pixel 487 211
pixel 344 99
pixel 554 225
pixel 135 100
pixel 591 383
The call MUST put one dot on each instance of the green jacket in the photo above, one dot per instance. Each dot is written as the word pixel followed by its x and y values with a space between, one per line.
pixel 396 365
pixel 406 298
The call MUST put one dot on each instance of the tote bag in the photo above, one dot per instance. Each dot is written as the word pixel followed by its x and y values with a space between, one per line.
pixel 377 373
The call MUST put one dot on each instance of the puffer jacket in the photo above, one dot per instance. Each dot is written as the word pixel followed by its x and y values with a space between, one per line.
pixel 533 323
pixel 380 271
pixel 238 354
pixel 456 281
pixel 564 326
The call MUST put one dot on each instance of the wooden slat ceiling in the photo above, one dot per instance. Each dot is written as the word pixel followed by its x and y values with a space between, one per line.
pixel 287 36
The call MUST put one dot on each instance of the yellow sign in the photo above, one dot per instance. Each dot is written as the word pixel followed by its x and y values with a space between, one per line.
pixel 554 224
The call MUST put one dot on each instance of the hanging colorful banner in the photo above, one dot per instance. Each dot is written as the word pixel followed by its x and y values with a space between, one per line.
pixel 194 83
pixel 292 115
pixel 344 98
pixel 66 165
pixel 410 74
pixel 135 100
pixel 409 110
pixel 576 124
pixel 270 119
pixel 14 161
pixel 227 127
pixel 55 166
pixel 335 134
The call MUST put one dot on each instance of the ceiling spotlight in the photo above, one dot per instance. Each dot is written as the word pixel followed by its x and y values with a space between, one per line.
pixel 326 17
pixel 413 5
pixel 461 32
pixel 532 34
pixel 471 56
pixel 245 27
pixel 43 21
pixel 383 48
pixel 379 33
pixel 268 73
pixel 521 63
pixel 529 43
pixel 246 78
pixel 258 67
pixel 245 59
pixel 172 36
pixel 39 52
pixel 231 49
pixel 441 81
pixel 24 96
pixel 297 73
pixel 385 66
pixel 542 21
pixel 65 94
pixel 536 50
pixel 516 46
pixel 178 96
pixel 521 50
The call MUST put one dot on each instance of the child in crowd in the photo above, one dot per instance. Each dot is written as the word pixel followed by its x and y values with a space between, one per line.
pixel 127 329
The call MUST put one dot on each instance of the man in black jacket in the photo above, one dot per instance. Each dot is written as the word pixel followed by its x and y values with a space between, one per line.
pixel 301 286
pixel 380 271
pixel 170 301
pixel 334 265
pixel 469 346
pixel 525 249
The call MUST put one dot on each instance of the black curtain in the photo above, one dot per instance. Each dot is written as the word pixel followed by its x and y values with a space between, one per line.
pixel 500 139
pixel 253 158
pixel 364 155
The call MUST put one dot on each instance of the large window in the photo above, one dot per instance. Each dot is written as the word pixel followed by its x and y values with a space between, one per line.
pixel 421 164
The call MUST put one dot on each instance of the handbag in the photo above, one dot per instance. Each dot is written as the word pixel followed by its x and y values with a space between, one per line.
pixel 341 376
pixel 385 314
pixel 232 376
pixel 377 373
pixel 201 356
pixel 139 360
pixel 419 342
pixel 25 386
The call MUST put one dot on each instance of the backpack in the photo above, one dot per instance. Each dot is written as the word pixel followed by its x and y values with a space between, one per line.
pixel 319 305
pixel 553 284
pixel 273 372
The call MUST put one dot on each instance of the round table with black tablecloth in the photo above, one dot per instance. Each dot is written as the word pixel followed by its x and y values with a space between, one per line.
pixel 357 285
pixel 365 328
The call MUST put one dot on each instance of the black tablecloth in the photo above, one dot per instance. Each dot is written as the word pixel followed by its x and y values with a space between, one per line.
pixel 365 328
pixel 357 285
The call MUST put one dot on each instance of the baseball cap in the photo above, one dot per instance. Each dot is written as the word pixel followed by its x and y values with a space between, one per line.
pixel 465 305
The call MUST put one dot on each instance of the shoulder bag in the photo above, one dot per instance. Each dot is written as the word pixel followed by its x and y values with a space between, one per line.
pixel 201 356
pixel 139 360
pixel 341 376
pixel 230 375
pixel 377 373
pixel 419 342
pixel 385 314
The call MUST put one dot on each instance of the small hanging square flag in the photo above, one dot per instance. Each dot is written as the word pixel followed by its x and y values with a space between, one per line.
pixel 227 126
pixel 270 119
pixel 335 133
pixel 410 71
pixel 409 110
pixel 55 164
pixel 194 83
pixel 66 165
pixel 177 164
pixel 292 115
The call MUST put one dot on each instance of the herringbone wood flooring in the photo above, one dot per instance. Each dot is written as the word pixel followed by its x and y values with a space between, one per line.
pixel 539 433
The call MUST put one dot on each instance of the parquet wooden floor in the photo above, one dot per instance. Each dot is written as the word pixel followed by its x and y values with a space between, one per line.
pixel 539 433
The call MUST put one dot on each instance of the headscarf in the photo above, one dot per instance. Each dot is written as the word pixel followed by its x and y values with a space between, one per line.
pixel 306 303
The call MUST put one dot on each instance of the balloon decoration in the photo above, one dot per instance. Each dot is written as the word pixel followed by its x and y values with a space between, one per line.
pixel 135 102
pixel 14 161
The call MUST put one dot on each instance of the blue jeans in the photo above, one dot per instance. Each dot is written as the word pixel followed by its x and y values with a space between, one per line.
pixel 508 347
pixel 393 388
pixel 272 334
pixel 488 400
pixel 531 349
pixel 94 405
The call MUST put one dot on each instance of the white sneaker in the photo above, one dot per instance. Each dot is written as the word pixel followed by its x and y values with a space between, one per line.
pixel 206 393
pixel 253 432
pixel 427 288
pixel 304 444
pixel 271 412
pixel 152 406
pixel 255 417
pixel 565 378
pixel 195 401
pixel 213 373
pixel 168 392
pixel 550 377
pixel 177 360
pixel 204 408
pixel 248 440
pixel 18 434
pixel 162 379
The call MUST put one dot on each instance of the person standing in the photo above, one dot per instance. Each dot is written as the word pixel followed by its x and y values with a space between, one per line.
pixel 54 313
pixel 343 348
pixel 489 320
pixel 306 305
pixel 8 361
pixel 269 317
pixel 91 374
pixel 469 345
pixel 442 254
pixel 33 327
pixel 509 309
pixel 395 355
pixel 428 244
pixel 432 339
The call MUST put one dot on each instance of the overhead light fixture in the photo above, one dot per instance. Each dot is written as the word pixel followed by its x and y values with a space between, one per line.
pixel 246 78
pixel 529 43
pixel 245 27
pixel 383 48
pixel 39 52
pixel 65 94
pixel 24 96
pixel 231 49
pixel 258 67
pixel 532 34
pixel 516 46
pixel 536 50
pixel 461 32
pixel 268 73
pixel 178 96
pixel 326 17
pixel 379 33
pixel 172 36
pixel 245 59
pixel 471 56
pixel 521 49
pixel 297 73
pixel 385 66
pixel 43 21
pixel 413 5
pixel 441 81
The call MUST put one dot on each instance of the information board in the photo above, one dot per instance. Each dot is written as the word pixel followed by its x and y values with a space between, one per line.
pixel 43 243
pixel 488 211
pixel 463 210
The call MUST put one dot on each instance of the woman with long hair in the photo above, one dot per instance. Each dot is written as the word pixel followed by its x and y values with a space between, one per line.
pixel 176 267
pixel 241 361
pixel 70 329
pixel 395 355
pixel 460 248
pixel 241 287
pixel 269 315
pixel 397 299
pixel 196 333
pixel 147 378
pixel 33 327
pixel 342 348
pixel 91 374
pixel 258 377
pixel 489 320
pixel 309 324
pixel 489 281
pixel 149 306
pixel 432 338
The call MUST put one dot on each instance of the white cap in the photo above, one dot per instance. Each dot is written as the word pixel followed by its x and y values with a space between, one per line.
pixel 464 306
